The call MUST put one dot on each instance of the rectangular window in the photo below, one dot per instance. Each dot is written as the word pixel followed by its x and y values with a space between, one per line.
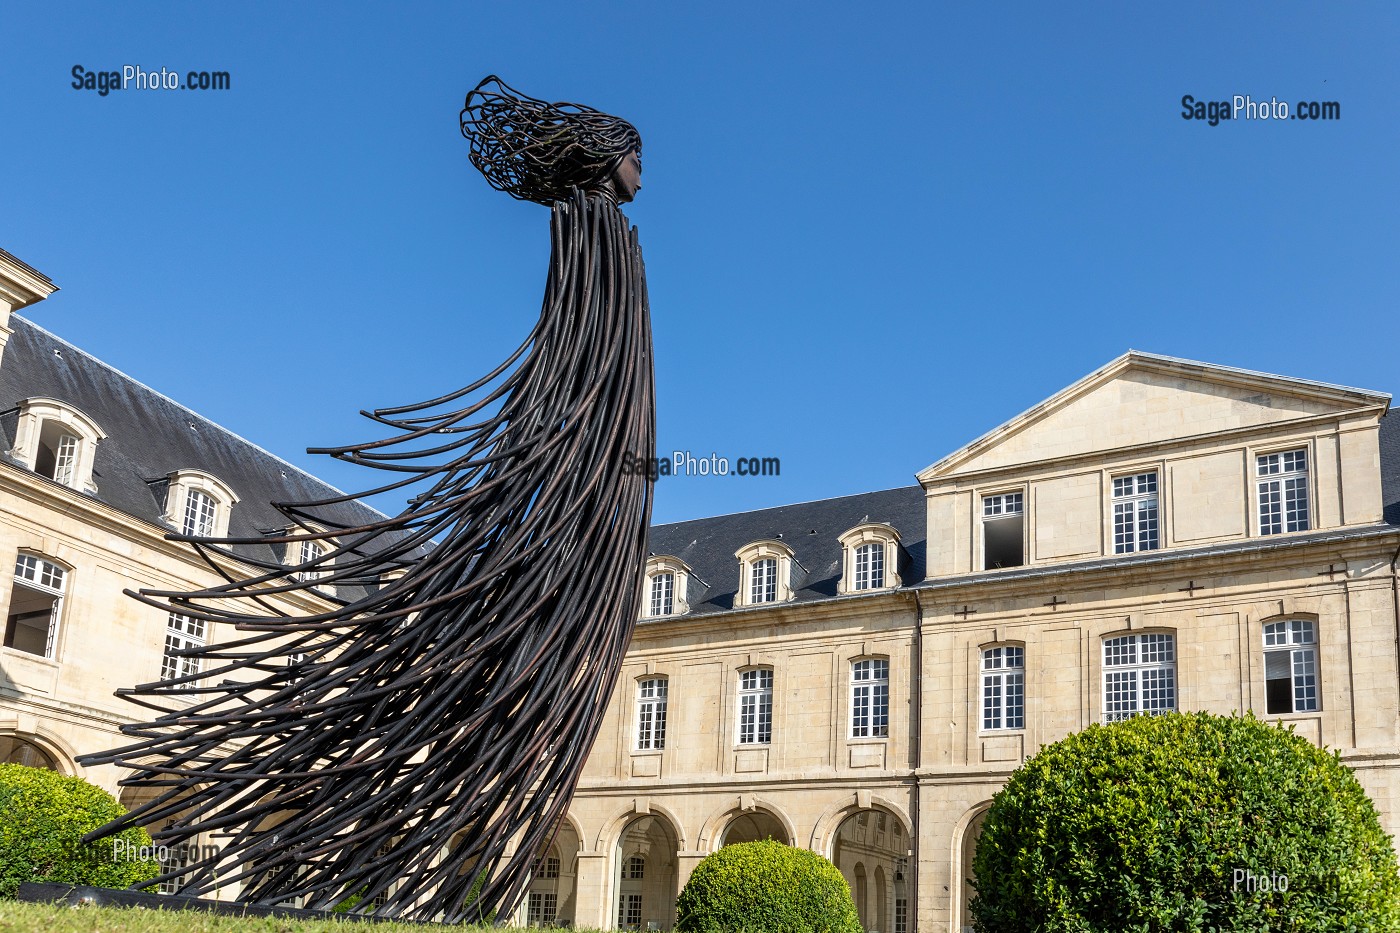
pixel 179 856
pixel 870 566
pixel 1135 513
pixel 546 868
pixel 663 594
pixel 1003 530
pixel 1139 675
pixel 543 908
pixel 870 698
pixel 36 604
pixel 901 915
pixel 1290 667
pixel 756 707
pixel 65 461
pixel 181 632
pixel 651 713
pixel 629 911
pixel 1004 688
pixel 1283 492
pixel 763 586
pixel 308 552
pixel 199 514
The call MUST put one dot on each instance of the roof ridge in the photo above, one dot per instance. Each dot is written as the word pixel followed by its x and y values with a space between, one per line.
pixel 787 505
pixel 185 408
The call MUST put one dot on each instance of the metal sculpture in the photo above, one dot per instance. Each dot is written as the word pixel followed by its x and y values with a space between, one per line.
pixel 417 742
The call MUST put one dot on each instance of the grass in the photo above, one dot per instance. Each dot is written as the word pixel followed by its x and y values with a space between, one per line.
pixel 17 917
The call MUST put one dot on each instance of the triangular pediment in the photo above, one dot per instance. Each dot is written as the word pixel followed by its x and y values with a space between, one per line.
pixel 1142 399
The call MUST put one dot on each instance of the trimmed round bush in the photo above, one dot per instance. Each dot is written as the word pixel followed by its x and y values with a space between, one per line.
pixel 43 816
pixel 766 887
pixel 1184 822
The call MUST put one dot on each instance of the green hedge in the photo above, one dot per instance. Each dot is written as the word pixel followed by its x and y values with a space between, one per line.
pixel 43 816
pixel 1159 824
pixel 766 887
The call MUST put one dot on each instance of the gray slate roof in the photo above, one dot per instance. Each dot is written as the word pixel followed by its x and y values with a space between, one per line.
pixel 150 436
pixel 1390 466
pixel 707 545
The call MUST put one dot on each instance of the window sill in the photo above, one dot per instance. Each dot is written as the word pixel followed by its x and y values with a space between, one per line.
pixel 867 739
pixel 28 656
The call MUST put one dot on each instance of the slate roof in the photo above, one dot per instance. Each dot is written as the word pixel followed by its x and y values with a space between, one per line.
pixel 707 545
pixel 1390 466
pixel 150 436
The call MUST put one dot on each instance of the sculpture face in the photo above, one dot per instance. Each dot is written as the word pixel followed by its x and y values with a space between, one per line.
pixel 627 177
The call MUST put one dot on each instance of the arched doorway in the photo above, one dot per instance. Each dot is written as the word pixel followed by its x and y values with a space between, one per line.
pixel 969 852
pixel 17 751
pixel 645 875
pixel 551 899
pixel 754 826
pixel 872 851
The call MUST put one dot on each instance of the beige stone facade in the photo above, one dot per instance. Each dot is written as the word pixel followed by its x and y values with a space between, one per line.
pixel 1207 582
pixel 856 676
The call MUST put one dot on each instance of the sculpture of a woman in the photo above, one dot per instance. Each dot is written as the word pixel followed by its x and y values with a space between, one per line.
pixel 416 739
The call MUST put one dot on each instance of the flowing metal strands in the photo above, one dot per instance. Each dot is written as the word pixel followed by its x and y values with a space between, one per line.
pixel 414 735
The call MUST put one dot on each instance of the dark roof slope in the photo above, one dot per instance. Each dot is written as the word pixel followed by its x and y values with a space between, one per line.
pixel 707 545
pixel 1390 466
pixel 149 436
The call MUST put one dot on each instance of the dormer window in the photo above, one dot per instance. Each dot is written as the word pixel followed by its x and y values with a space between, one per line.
pixel 869 558
pixel 664 593
pixel 200 509
pixel 198 504
pixel 765 573
pixel 309 552
pixel 58 442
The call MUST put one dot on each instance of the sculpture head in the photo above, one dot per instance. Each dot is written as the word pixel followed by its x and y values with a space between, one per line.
pixel 537 151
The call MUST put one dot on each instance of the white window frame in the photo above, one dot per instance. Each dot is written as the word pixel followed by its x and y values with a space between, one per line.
pixel 201 514
pixel 1137 523
pixel 658 566
pixel 1283 497
pixel 41 575
pixel 999 507
pixel 756 586
pixel 34 413
pixel 870 698
pixel 178 511
pixel 1003 688
pixel 182 632
pixel 1136 666
pixel 542 908
pixel 652 694
pixel 661 594
pixel 629 906
pixel 871 546
pixel 1296 639
pixel 763 581
pixel 754 725
pixel 310 549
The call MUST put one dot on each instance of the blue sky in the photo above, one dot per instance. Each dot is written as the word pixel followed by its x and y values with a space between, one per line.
pixel 871 234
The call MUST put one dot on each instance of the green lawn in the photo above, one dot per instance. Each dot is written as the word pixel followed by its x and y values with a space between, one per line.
pixel 16 917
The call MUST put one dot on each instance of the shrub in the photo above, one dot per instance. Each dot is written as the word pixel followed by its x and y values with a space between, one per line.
pixel 766 887
pixel 43 816
pixel 1152 824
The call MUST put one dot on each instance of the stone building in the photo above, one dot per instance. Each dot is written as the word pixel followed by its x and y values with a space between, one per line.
pixel 860 675
pixel 856 675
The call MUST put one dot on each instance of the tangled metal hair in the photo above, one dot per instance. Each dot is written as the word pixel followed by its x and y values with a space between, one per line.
pixel 537 151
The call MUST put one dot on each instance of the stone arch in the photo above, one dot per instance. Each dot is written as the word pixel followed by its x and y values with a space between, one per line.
pixel 712 834
pixel 61 756
pixel 645 863
pixel 962 848
pixel 613 827
pixel 824 832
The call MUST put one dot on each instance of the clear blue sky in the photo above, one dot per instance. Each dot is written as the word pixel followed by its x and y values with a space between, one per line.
pixel 872 233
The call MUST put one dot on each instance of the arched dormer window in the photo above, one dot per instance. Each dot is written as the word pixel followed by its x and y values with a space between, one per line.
pixel 869 558
pixel 198 503
pixel 57 441
pixel 667 579
pixel 765 573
